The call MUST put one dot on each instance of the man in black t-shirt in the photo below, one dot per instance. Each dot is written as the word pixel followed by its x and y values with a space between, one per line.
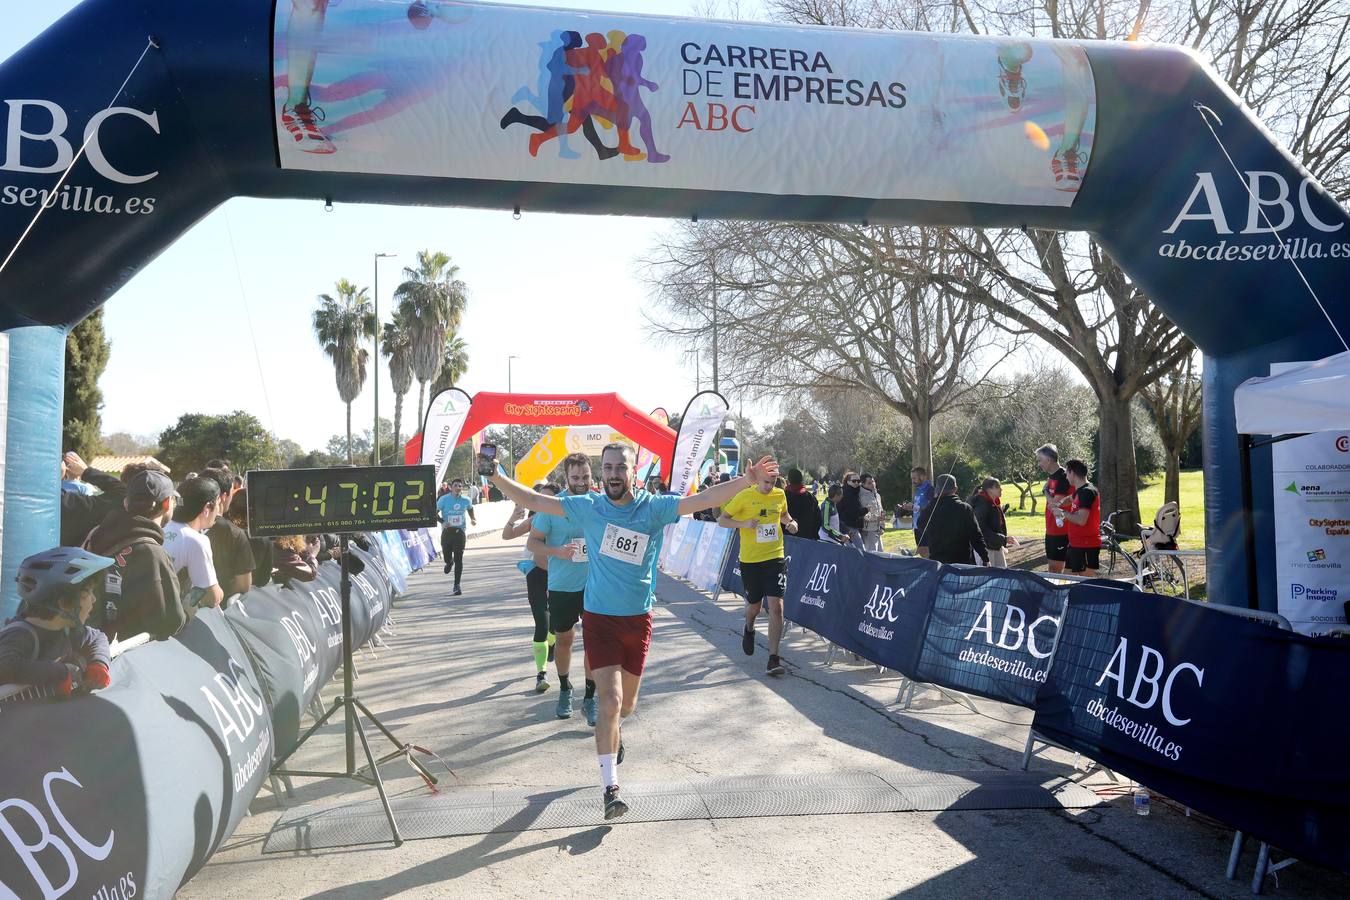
pixel 230 548
pixel 1057 491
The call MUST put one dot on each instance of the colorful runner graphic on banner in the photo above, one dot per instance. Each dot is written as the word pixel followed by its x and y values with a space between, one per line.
pixel 698 432
pixel 499 92
pixel 440 431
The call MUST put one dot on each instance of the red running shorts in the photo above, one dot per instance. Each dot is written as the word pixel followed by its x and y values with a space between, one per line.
pixel 617 640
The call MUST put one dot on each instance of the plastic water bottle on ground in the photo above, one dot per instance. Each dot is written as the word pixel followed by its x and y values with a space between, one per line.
pixel 1141 802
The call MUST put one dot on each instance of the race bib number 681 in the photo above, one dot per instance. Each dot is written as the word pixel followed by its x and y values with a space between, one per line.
pixel 624 544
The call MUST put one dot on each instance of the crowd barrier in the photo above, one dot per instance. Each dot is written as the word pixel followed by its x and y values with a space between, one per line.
pixel 1224 714
pixel 694 550
pixel 127 792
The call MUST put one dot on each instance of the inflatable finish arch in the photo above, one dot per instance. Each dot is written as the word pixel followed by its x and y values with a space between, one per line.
pixel 607 410
pixel 502 107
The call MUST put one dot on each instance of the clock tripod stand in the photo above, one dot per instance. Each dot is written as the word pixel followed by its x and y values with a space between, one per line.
pixel 353 710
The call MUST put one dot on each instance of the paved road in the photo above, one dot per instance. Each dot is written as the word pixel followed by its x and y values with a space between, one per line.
pixel 458 678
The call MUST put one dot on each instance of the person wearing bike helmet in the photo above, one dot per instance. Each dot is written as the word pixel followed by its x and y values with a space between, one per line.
pixel 48 643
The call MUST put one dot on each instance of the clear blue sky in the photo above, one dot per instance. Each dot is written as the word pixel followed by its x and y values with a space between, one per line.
pixel 291 251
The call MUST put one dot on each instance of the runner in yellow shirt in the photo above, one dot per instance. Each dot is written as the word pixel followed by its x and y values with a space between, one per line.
pixel 760 512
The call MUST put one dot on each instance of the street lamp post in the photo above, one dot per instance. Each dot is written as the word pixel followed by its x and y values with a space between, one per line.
pixel 698 374
pixel 375 448
pixel 510 429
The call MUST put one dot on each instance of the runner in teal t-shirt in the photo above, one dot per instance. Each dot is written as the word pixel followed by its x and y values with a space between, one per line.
pixel 623 538
pixel 568 565
pixel 453 510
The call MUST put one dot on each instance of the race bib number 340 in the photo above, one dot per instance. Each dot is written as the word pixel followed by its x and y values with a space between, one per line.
pixel 767 534
pixel 624 545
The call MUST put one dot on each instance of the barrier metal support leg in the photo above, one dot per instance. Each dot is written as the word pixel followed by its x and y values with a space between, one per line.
pixel 1027 750
pixel 1235 854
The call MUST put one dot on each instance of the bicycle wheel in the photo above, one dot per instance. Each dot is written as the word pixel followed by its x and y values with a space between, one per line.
pixel 1168 577
pixel 1121 563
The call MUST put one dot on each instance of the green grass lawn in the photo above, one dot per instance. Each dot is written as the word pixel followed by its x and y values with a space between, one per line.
pixel 1028 527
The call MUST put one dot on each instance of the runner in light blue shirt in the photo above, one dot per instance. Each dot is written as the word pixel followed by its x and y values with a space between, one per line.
pixel 568 567
pixel 623 535
pixel 453 508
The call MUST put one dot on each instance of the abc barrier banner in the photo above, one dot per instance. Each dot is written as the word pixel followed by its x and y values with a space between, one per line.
pixel 991 632
pixel 503 93
pixel 135 786
pixel 1312 527
pixel 706 568
pixel 1212 708
pixel 182 741
pixel 731 566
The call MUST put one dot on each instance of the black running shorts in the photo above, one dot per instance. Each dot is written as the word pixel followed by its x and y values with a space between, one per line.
pixel 1056 546
pixel 1082 558
pixel 564 609
pixel 764 579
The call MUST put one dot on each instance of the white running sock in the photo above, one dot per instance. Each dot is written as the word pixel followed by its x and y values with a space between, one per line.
pixel 607 776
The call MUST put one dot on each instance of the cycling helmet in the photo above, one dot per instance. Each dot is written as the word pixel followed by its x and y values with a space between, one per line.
pixel 44 578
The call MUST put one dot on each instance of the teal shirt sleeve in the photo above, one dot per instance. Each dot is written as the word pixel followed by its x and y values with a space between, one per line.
pixel 577 508
pixel 665 510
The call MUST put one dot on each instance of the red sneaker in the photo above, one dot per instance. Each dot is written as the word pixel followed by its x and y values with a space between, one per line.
pixel 1067 167
pixel 301 121
pixel 1012 85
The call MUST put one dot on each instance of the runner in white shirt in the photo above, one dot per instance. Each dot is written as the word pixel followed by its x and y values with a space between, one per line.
pixel 189 548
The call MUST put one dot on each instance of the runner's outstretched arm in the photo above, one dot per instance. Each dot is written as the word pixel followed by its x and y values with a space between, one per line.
pixel 526 498
pixel 720 494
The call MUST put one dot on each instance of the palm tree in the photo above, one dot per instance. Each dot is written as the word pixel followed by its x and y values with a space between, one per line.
pixel 397 347
pixel 342 325
pixel 454 363
pixel 432 301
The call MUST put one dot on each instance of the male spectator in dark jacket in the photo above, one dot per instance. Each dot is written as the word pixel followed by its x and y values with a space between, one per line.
pixel 985 503
pixel 141 589
pixel 230 548
pixel 802 506
pixel 948 530
pixel 81 512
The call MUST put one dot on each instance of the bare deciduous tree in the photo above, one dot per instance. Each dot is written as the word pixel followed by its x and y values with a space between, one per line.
pixel 799 307
pixel 1174 401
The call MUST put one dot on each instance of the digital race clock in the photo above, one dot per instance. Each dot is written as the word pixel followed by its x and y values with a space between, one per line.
pixel 357 498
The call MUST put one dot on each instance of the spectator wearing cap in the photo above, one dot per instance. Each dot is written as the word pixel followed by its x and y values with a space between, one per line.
pixel 188 546
pixel 140 589
pixel 230 548
pixel 81 512
pixel 48 643
pixel 947 530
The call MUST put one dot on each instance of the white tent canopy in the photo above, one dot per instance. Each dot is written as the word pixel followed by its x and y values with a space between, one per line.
pixel 1315 397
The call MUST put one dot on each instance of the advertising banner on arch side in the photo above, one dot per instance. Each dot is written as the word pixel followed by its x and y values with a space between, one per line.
pixel 507 93
pixel 991 632
pixel 706 569
pixel 1312 526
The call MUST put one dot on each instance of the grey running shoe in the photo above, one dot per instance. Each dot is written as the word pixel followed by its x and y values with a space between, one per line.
pixel 618 759
pixel 564 708
pixel 776 665
pixel 540 683
pixel 591 708
pixel 614 807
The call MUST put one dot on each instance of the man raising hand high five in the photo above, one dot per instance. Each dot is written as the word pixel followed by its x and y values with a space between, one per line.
pixel 623 535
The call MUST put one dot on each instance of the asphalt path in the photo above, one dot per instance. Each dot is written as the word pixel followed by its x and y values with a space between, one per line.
pixel 457 677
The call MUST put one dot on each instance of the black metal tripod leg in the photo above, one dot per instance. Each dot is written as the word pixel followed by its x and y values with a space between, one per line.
pixel 404 749
pixel 337 704
pixel 379 782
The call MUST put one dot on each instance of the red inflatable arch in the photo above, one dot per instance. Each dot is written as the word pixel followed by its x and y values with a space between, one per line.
pixel 609 410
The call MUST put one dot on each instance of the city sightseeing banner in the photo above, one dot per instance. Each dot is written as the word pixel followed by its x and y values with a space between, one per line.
pixel 462 90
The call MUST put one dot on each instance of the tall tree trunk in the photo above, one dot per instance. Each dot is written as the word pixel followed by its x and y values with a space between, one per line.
pixel 1117 477
pixel 922 454
pixel 349 434
pixel 421 399
pixel 398 422
pixel 1172 484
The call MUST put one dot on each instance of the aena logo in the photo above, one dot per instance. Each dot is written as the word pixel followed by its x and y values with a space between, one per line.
pixel 1013 631
pixel 50 124
pixel 21 837
pixel 1149 677
pixel 881 605
pixel 1267 191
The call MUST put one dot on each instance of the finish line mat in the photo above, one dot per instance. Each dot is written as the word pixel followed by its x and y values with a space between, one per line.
pixel 468 811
